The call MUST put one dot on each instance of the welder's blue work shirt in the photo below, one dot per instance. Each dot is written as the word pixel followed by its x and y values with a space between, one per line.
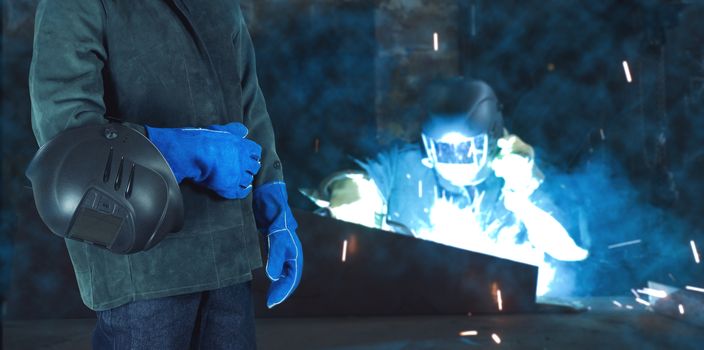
pixel 412 191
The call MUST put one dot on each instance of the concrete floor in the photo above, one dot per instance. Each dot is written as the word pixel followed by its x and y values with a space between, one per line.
pixel 605 326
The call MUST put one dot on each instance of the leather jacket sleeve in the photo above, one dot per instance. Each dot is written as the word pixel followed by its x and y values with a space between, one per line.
pixel 65 77
pixel 256 117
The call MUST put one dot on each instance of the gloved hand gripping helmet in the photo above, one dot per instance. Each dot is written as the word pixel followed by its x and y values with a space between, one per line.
pixel 460 134
pixel 107 185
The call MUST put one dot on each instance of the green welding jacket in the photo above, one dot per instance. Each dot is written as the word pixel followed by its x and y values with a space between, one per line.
pixel 163 63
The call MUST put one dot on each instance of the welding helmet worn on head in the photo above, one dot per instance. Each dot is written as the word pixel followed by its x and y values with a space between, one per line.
pixel 463 126
pixel 106 185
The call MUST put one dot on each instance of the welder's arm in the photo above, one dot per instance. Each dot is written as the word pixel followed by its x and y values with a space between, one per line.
pixel 273 215
pixel 352 197
pixel 515 164
pixel 65 76
pixel 256 117
pixel 545 232
pixel 220 158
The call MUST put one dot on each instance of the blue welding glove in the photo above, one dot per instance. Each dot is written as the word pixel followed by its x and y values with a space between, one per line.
pixel 219 158
pixel 275 220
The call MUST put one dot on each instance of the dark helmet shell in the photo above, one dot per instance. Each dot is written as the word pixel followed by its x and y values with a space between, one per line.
pixel 107 185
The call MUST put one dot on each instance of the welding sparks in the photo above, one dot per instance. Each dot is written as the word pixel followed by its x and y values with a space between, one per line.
pixel 344 251
pixel 499 300
pixel 317 145
pixel 617 303
pixel 623 244
pixel 695 289
pixel 603 136
pixel 656 293
pixel 681 307
pixel 420 188
pixel 496 338
pixel 468 333
pixel 627 71
pixel 694 251
pixel 629 307
pixel 641 301
pixel 635 293
pixel 436 42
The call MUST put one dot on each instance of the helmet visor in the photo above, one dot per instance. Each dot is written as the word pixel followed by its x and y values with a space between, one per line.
pixel 455 148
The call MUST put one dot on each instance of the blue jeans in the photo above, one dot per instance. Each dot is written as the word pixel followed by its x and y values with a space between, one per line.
pixel 216 319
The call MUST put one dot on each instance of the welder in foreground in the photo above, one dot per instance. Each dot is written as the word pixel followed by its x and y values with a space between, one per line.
pixel 181 73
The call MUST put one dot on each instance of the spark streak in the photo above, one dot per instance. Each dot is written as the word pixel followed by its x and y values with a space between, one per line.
pixel 344 251
pixel 694 251
pixel 623 244
pixel 681 307
pixel 496 338
pixel 656 293
pixel 420 188
pixel 617 303
pixel 629 307
pixel 499 300
pixel 695 289
pixel 627 71
pixel 436 42
pixel 641 301
pixel 468 333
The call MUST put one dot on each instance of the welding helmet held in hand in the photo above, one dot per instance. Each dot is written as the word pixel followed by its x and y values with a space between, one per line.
pixel 106 185
pixel 461 130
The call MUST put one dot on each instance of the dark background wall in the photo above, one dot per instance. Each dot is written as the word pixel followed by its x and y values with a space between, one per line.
pixel 343 79
pixel 316 66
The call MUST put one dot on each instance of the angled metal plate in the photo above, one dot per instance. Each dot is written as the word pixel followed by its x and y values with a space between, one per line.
pixel 386 274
